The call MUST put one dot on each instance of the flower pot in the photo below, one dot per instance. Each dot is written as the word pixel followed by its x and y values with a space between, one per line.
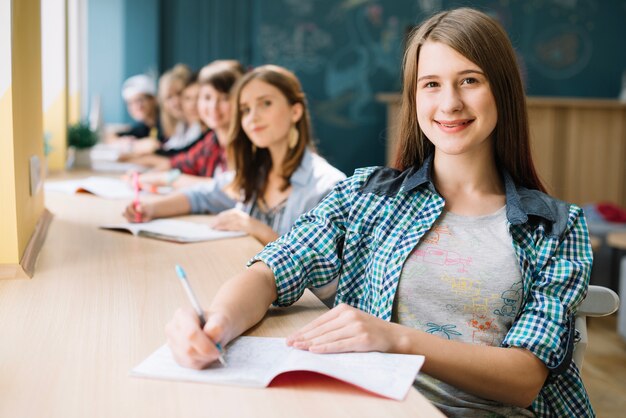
pixel 78 158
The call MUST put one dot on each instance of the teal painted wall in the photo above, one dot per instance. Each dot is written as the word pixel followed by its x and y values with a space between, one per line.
pixel 123 40
pixel 105 58
pixel 197 32
pixel 142 40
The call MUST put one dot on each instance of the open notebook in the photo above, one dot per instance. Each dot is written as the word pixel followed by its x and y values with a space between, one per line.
pixel 255 361
pixel 174 230
pixel 105 187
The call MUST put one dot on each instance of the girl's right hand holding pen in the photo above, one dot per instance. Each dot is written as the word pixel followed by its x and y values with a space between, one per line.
pixel 139 212
pixel 192 346
pixel 175 204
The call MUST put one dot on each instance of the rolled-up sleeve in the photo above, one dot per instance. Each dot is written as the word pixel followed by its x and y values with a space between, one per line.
pixel 310 254
pixel 560 282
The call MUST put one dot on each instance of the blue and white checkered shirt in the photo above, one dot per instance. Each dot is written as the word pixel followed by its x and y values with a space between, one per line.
pixel 364 230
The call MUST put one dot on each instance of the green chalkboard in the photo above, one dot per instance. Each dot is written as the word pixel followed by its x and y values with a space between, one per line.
pixel 345 52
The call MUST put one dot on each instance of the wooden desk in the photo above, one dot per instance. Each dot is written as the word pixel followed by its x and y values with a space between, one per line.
pixel 617 240
pixel 97 306
pixel 595 243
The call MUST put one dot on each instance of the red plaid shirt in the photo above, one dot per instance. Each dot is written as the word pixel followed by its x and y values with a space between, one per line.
pixel 203 159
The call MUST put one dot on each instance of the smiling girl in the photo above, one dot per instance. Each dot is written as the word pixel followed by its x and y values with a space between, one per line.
pixel 497 267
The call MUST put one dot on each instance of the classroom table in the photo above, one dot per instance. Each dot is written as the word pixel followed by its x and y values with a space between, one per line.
pixel 97 306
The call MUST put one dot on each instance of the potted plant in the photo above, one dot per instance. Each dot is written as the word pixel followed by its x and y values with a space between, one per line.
pixel 80 138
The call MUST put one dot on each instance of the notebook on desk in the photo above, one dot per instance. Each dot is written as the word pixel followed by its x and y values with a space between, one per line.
pixel 256 361
pixel 174 230
pixel 116 167
pixel 105 187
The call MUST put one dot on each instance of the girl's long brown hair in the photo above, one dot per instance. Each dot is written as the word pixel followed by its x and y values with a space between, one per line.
pixel 252 166
pixel 483 41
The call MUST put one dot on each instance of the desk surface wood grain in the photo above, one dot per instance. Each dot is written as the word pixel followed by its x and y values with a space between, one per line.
pixel 97 306
pixel 617 240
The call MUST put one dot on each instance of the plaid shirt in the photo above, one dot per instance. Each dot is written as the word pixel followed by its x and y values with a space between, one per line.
pixel 202 159
pixel 364 230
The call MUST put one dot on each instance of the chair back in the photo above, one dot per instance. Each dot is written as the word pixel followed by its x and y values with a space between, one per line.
pixel 600 301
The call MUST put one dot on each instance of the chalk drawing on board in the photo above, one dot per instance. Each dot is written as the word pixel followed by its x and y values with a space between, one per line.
pixel 298 50
pixel 332 111
pixel 371 48
pixel 561 51
pixel 567 4
pixel 347 72
pixel 430 6
pixel 300 7
pixel 354 50
pixel 383 51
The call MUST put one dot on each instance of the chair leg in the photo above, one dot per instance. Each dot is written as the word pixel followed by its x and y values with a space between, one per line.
pixel 621 313
pixel 581 346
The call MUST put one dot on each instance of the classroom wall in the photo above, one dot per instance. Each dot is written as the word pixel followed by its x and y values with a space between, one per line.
pixel 347 51
pixel 141 43
pixel 123 40
pixel 21 132
pixel 8 232
pixel 75 46
pixel 105 56
pixel 54 83
pixel 198 32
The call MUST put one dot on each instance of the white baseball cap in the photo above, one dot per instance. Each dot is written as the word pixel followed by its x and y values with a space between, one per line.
pixel 138 84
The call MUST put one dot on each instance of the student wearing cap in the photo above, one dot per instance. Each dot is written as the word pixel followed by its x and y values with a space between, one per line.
pixel 144 136
pixel 139 93
pixel 180 126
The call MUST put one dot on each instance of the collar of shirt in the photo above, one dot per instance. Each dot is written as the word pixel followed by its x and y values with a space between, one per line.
pixel 520 202
pixel 301 176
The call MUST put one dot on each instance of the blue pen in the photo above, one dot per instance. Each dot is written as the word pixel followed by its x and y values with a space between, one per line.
pixel 196 306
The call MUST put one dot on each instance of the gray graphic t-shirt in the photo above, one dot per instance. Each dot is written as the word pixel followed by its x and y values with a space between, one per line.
pixel 462 282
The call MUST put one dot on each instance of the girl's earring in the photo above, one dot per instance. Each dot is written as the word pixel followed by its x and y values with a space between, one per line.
pixel 294 136
pixel 253 149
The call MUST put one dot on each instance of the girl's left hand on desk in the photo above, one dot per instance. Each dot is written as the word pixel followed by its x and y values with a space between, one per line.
pixel 233 220
pixel 344 329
